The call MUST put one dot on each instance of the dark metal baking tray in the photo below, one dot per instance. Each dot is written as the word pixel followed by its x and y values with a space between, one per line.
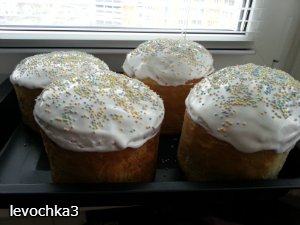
pixel 25 174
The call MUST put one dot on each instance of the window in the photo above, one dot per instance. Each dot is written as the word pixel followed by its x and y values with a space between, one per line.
pixel 222 17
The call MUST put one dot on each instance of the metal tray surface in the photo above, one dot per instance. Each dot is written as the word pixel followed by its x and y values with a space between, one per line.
pixel 23 161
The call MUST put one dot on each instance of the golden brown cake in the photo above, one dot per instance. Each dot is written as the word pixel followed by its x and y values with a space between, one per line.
pixel 240 123
pixel 170 67
pixel 128 165
pixel 34 73
pixel 100 128
pixel 174 97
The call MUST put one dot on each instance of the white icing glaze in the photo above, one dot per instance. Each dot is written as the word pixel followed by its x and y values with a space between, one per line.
pixel 252 107
pixel 40 70
pixel 169 62
pixel 101 112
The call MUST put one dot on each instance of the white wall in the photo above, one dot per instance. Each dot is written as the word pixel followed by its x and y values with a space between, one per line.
pixel 276 38
pixel 277 32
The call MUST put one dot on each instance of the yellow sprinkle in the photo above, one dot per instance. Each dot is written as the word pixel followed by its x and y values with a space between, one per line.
pixel 221 130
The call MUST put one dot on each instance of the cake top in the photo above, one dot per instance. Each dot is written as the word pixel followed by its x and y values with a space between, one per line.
pixel 40 70
pixel 104 111
pixel 169 62
pixel 252 107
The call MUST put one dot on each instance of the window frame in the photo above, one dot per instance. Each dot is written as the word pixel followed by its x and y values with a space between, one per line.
pixel 60 38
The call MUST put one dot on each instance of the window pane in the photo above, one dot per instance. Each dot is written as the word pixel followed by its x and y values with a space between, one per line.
pixel 168 15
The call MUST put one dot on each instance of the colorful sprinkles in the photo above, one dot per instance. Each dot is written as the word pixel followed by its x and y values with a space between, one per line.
pixel 100 100
pixel 185 50
pixel 170 61
pixel 40 70
pixel 250 86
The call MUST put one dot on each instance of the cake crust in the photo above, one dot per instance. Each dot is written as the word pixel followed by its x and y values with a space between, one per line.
pixel 202 157
pixel 174 102
pixel 26 100
pixel 128 165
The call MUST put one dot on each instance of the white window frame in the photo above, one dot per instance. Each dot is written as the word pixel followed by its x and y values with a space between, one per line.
pixel 128 40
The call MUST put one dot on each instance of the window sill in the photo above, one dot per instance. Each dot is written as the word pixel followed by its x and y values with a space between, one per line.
pixel 61 39
pixel 109 51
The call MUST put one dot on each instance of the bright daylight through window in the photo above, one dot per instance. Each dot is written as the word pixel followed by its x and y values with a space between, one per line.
pixel 195 16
